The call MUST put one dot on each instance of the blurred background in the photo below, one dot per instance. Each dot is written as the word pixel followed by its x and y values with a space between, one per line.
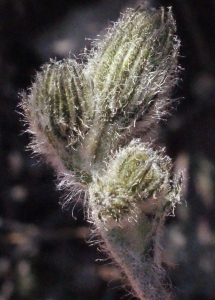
pixel 43 249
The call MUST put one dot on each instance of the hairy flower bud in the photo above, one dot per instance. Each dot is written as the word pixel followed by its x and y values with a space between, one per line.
pixel 133 70
pixel 136 178
pixel 129 201
pixel 58 114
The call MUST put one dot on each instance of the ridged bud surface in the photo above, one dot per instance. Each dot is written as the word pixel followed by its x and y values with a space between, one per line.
pixel 133 71
pixel 58 114
pixel 129 202
pixel 136 178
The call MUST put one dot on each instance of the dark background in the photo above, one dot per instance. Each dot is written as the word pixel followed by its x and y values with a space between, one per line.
pixel 43 250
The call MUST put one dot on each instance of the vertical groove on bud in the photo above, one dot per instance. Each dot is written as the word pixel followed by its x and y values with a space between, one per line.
pixel 133 72
pixel 58 114
pixel 137 176
pixel 141 45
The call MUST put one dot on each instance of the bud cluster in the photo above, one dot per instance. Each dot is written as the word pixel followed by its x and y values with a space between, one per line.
pixel 89 119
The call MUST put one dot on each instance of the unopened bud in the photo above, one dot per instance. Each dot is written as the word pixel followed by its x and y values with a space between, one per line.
pixel 132 71
pixel 58 114
pixel 134 68
pixel 136 179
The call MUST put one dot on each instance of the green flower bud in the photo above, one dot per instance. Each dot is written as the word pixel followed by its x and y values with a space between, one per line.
pixel 137 178
pixel 58 114
pixel 132 70
pixel 129 202
pixel 135 66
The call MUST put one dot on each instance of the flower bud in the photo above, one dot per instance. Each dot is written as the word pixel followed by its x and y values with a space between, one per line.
pixel 136 178
pixel 58 114
pixel 129 201
pixel 132 72
pixel 134 68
